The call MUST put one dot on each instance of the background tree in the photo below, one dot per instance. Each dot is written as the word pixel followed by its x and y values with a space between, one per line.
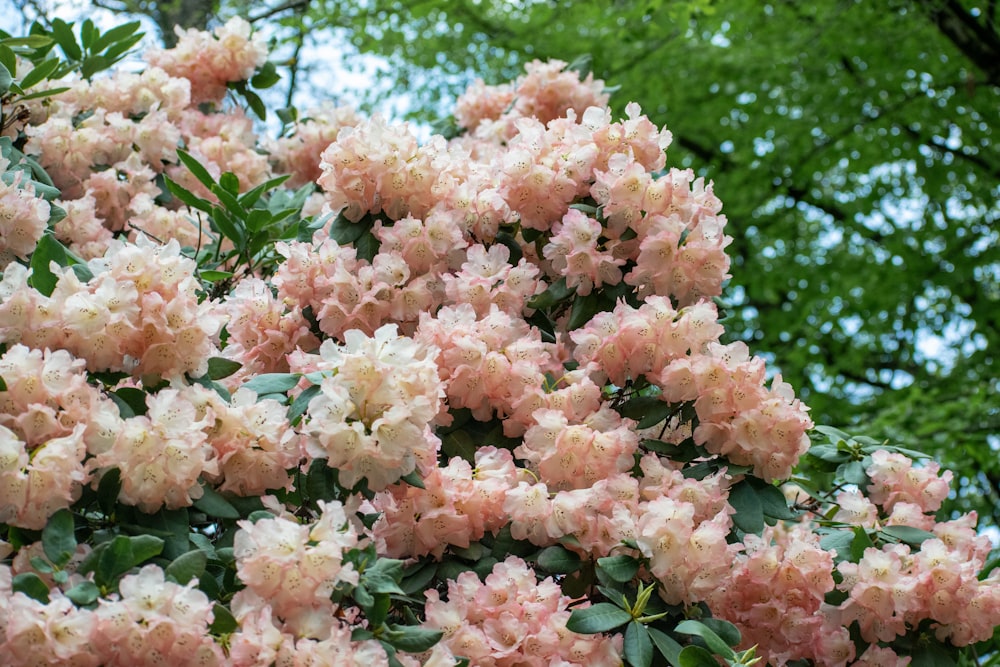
pixel 858 146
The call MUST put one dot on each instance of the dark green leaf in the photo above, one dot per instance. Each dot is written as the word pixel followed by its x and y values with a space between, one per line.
pixel 219 367
pixel 912 536
pixel 113 35
pixel 558 560
pixel 620 568
pixel 712 640
pixel 108 489
pixel 773 502
pixel 854 473
pixel 214 505
pixel 31 585
pixel 667 645
pixel 266 76
pixel 583 310
pixel 384 576
pixel 412 478
pixel 728 632
pixel 145 547
pixel 749 516
pixel 696 656
pixel 367 246
pixel 39 73
pixel 48 250
pixel 187 567
pixel 601 617
pixel 224 622
pixel 301 402
pixel 115 561
pixel 63 34
pixel 555 293
pixel 829 453
pixel 411 639
pixel 94 64
pixel 59 538
pixel 638 648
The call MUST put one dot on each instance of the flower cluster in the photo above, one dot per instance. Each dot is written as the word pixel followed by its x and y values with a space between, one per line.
pixel 138 313
pixel 23 215
pixel 371 419
pixel 511 619
pixel 210 61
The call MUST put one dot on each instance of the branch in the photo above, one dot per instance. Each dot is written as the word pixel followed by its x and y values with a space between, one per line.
pixel 291 4
pixel 977 42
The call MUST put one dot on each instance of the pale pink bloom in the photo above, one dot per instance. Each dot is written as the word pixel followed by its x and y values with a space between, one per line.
pixel 371 418
pixel 480 102
pixel 56 633
pixel 513 619
pixel 211 60
pixel 855 509
pixel 877 656
pixel 894 479
pixel 23 216
pixel 487 278
pixel 82 230
pixel 155 620
pixel 298 153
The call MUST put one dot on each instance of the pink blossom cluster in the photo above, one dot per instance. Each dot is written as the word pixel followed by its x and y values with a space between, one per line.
pixel 894 482
pixel 299 152
pixel 23 215
pixel 210 61
pixel 150 621
pixel 511 619
pixel 50 419
pixel 547 91
pixel 775 596
pixel 139 313
pixel 293 568
pixel 459 504
pixel 374 167
pixel 261 330
pixel 378 397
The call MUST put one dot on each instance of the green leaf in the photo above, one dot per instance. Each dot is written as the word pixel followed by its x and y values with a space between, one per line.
pixel 186 196
pixel 773 501
pixel 728 632
pixel 620 568
pixel 656 414
pixel 31 585
pixel 219 367
pixel 223 622
pixel 559 560
pixel 853 472
pixel 301 403
pixel 213 277
pixel 59 538
pixel 145 547
pixel 908 534
pixel 88 33
pixel 62 32
pixel 715 643
pixel 367 246
pixel 583 310
pixel 696 656
pixel 94 64
pixel 384 576
pixel 115 52
pixel 133 398
pixel 557 292
pixel 215 505
pixel 272 383
pixel 667 645
pixel 638 648
pixel 416 579
pixel 410 638
pixel 931 653
pixel 187 567
pixel 601 617
pixel 256 104
pixel 196 168
pixel 266 76
pixel 861 542
pixel 84 593
pixel 108 489
pixel 41 72
pixel 749 516
pixel 48 250
pixel 829 453
pixel 113 35
pixel 115 561
pixel 412 478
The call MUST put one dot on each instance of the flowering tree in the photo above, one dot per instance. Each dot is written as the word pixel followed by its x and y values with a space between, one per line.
pixel 342 397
